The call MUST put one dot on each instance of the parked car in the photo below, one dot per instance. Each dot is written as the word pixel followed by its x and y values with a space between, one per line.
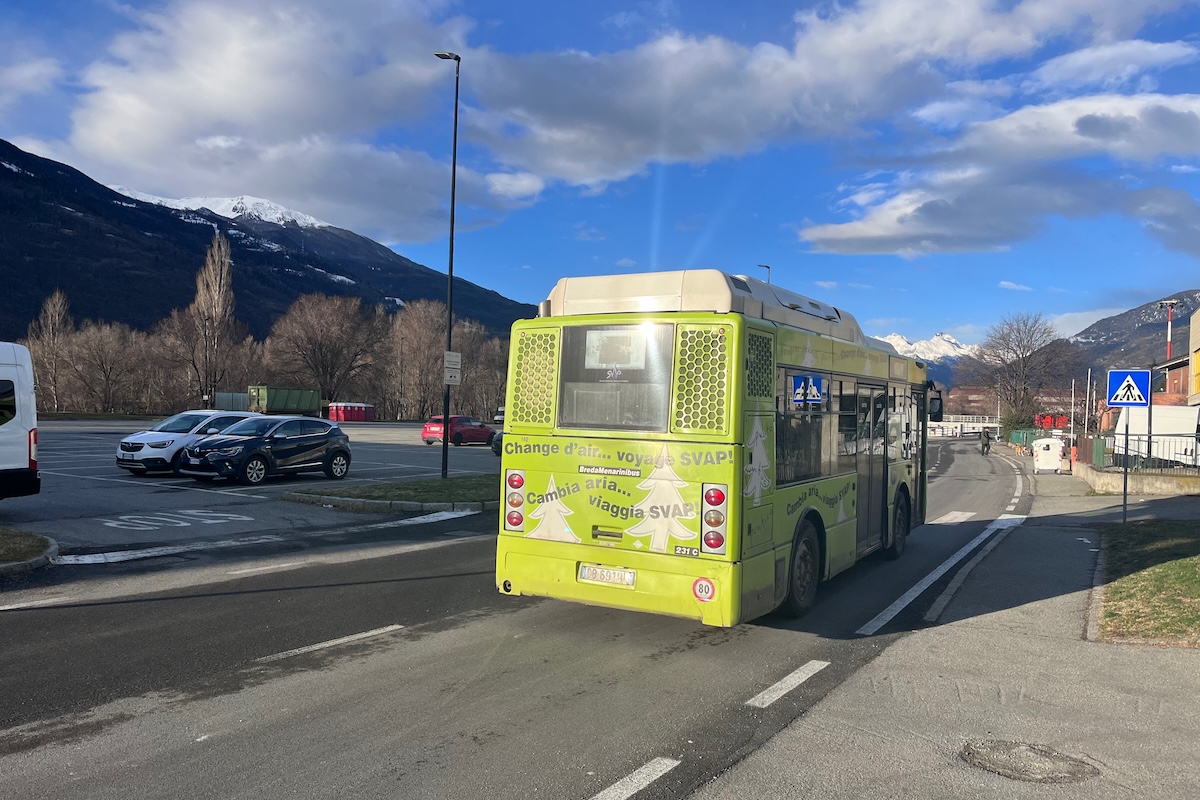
pixel 463 430
pixel 256 448
pixel 498 443
pixel 160 448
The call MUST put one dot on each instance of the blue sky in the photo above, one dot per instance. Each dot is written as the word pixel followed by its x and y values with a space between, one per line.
pixel 927 165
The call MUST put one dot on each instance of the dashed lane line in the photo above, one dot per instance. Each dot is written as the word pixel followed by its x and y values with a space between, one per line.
pixel 354 637
pixel 636 781
pixel 773 693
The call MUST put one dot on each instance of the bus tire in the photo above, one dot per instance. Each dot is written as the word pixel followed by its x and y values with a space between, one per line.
pixel 901 521
pixel 805 572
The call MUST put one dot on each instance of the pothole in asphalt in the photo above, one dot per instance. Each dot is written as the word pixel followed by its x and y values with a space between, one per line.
pixel 1026 762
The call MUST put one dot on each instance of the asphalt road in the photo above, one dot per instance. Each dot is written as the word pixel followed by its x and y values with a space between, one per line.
pixel 182 678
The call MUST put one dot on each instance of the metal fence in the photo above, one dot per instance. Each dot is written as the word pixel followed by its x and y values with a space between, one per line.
pixel 1151 455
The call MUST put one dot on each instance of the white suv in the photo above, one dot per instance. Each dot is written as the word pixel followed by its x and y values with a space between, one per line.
pixel 159 449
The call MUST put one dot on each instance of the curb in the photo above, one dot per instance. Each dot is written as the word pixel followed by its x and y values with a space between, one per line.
pixel 1095 602
pixel 377 506
pixel 17 567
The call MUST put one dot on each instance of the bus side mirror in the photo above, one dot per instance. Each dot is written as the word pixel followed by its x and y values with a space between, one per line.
pixel 935 408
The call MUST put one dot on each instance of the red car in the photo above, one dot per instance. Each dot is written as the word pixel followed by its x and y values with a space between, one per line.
pixel 463 430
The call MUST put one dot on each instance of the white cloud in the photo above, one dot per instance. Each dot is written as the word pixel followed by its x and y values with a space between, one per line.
pixel 591 119
pixel 994 185
pixel 952 114
pixel 284 100
pixel 27 77
pixel 967 210
pixel 1135 128
pixel 827 284
pixel 626 263
pixel 1109 66
pixel 1184 169
pixel 1067 325
pixel 588 233
pixel 515 185
pixel 1016 287
pixel 290 100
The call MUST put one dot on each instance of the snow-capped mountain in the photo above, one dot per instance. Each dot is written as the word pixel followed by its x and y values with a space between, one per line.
pixel 941 347
pixel 230 207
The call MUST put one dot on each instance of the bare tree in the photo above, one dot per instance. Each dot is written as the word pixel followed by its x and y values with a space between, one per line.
pixel 422 328
pixel 327 341
pixel 48 338
pixel 212 313
pixel 103 360
pixel 1014 358
pixel 202 337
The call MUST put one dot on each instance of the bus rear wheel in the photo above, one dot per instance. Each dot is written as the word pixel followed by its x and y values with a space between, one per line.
pixel 901 520
pixel 805 572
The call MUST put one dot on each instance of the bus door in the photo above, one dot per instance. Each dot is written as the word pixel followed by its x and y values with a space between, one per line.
pixel 871 461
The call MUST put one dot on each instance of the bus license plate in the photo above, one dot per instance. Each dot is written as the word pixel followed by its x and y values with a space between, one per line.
pixel 617 577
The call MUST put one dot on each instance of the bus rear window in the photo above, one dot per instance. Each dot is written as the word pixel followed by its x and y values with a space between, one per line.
pixel 616 377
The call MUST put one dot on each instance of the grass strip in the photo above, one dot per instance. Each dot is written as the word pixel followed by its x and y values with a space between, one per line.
pixel 455 489
pixel 1153 575
pixel 20 546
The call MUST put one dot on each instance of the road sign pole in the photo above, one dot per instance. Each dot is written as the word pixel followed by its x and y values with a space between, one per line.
pixel 1125 486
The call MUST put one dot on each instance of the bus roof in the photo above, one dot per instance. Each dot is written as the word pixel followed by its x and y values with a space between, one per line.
pixel 702 290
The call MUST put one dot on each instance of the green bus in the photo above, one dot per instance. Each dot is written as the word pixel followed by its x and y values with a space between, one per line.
pixel 703 445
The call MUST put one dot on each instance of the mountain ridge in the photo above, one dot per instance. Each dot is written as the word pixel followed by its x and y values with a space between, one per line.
pixel 122 259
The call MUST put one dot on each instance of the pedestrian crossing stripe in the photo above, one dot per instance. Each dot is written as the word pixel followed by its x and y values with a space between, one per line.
pixel 1128 392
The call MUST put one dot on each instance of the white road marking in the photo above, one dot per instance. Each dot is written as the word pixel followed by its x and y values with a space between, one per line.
pixel 885 616
pixel 636 781
pixel 354 637
pixel 773 693
pixel 32 603
pixel 953 518
pixel 264 569
pixel 117 556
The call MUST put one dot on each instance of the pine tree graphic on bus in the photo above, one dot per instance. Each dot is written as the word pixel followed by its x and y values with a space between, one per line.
pixel 758 465
pixel 552 518
pixel 663 507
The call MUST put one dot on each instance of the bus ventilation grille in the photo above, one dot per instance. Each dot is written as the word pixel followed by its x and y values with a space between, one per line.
pixel 532 402
pixel 702 384
pixel 760 367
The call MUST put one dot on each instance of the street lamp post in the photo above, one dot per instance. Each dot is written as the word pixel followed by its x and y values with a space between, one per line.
pixel 767 267
pixel 450 272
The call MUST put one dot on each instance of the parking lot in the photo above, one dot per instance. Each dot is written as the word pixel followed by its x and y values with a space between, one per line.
pixel 87 503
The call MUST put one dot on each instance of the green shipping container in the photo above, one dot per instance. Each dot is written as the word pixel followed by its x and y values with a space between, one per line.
pixel 284 400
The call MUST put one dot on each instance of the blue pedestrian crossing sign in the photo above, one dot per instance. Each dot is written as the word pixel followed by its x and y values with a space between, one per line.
pixel 807 389
pixel 1128 388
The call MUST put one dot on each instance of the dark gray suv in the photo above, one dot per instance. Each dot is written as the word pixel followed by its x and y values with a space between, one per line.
pixel 256 448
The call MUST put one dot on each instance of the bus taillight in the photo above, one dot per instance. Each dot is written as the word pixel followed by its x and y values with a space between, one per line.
pixel 33 449
pixel 514 520
pixel 716 518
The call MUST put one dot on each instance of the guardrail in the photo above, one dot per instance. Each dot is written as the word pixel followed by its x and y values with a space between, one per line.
pixel 1152 455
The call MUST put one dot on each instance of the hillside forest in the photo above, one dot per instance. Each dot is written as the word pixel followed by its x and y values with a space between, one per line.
pixel 351 352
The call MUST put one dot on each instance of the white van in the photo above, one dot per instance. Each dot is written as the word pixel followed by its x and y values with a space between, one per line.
pixel 1175 433
pixel 18 423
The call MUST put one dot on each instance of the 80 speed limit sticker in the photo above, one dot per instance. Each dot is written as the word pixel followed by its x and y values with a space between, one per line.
pixel 704 590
